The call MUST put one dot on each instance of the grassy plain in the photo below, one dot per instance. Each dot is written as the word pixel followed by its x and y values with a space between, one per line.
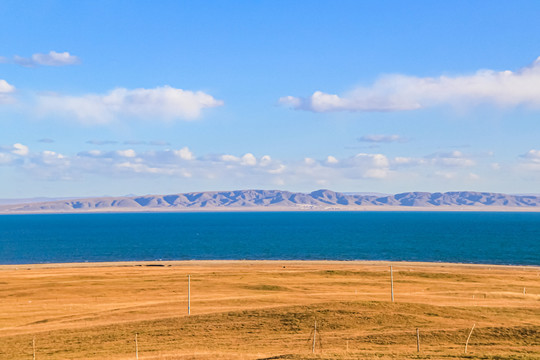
pixel 267 310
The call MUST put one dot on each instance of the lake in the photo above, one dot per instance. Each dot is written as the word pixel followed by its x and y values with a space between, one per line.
pixel 464 237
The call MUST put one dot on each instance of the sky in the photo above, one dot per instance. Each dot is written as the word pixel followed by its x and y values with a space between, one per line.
pixel 137 97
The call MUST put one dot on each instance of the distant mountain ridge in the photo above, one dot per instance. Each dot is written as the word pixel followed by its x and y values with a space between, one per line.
pixel 284 200
pixel 31 200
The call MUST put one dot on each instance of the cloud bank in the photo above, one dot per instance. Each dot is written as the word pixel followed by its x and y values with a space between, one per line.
pixel 160 103
pixel 53 58
pixel 247 170
pixel 402 93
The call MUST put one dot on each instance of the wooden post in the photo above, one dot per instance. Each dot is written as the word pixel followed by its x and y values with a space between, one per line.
pixel 314 338
pixel 136 346
pixel 392 282
pixel 417 340
pixel 189 295
pixel 34 348
pixel 469 337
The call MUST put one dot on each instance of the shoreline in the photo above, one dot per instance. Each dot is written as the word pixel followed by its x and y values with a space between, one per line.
pixel 419 209
pixel 243 263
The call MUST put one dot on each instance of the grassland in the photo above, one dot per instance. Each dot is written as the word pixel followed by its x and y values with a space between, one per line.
pixel 267 310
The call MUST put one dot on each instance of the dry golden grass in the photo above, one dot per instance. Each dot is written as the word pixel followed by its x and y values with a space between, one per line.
pixel 266 310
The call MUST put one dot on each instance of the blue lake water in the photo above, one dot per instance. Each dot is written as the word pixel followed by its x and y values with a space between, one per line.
pixel 467 237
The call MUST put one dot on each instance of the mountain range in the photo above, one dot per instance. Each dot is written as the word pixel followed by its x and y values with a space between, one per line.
pixel 268 200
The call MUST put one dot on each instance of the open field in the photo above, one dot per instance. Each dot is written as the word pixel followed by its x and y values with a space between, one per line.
pixel 267 310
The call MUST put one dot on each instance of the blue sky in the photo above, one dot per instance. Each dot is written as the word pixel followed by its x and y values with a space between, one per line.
pixel 137 97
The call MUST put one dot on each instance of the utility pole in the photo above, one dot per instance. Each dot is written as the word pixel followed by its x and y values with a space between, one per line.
pixel 392 282
pixel 136 346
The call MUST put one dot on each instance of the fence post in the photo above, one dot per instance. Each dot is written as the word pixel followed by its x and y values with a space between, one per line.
pixel 314 338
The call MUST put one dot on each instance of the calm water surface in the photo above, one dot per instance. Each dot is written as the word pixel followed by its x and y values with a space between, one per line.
pixel 496 238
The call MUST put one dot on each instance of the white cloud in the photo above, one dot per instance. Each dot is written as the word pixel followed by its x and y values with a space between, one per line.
pixel 229 158
pixel 455 162
pixel 145 169
pixel 531 161
pixel 49 164
pixel 375 166
pixel 161 103
pixel 403 160
pixel 20 149
pixel 451 159
pixel 400 92
pixel 359 166
pixel 265 160
pixel 376 160
pixel 129 153
pixel 6 90
pixel 381 138
pixel 52 158
pixel 376 173
pixel 95 153
pixel 532 155
pixel 332 169
pixel 249 159
pixel 290 101
pixel 279 170
pixel 446 175
pixel 53 58
pixel 331 160
pixel 184 153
